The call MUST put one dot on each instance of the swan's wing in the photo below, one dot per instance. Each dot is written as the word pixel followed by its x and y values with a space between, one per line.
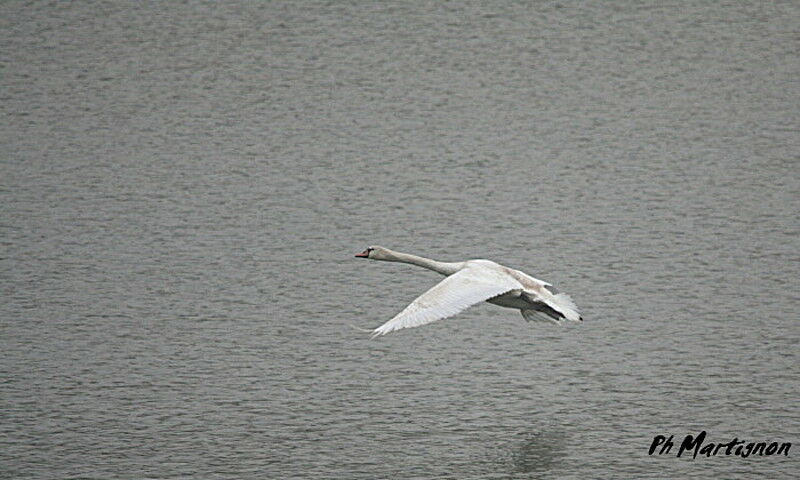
pixel 451 296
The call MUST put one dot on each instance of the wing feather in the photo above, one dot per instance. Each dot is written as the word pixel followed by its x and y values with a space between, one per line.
pixel 454 294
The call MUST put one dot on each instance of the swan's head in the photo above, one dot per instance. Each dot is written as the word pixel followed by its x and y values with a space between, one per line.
pixel 375 253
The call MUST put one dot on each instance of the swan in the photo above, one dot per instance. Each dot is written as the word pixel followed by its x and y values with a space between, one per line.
pixel 471 282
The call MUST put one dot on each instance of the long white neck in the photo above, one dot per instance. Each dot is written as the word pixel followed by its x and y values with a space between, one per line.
pixel 445 268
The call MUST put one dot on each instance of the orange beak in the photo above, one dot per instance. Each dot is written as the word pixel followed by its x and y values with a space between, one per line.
pixel 363 254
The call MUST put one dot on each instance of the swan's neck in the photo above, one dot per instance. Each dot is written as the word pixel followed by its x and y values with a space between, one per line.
pixel 445 268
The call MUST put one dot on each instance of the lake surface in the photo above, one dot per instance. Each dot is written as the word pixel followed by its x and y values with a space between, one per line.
pixel 183 187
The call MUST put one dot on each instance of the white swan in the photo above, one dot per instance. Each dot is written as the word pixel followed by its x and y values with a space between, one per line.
pixel 472 282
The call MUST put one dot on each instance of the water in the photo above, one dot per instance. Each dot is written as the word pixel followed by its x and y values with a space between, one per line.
pixel 184 187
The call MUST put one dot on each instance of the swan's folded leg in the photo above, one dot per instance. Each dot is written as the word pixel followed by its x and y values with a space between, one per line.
pixel 532 315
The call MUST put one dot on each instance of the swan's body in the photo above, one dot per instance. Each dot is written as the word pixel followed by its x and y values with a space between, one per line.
pixel 472 282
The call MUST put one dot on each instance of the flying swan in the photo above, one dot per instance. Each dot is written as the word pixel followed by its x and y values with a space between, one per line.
pixel 472 282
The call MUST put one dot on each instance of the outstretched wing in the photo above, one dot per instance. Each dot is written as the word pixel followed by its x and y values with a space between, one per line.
pixel 454 294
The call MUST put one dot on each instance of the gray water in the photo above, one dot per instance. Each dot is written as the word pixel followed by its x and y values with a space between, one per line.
pixel 183 187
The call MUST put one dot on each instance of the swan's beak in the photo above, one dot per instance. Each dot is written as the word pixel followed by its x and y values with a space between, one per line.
pixel 364 254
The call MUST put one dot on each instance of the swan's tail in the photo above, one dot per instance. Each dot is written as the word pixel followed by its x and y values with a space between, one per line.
pixel 556 309
pixel 567 307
